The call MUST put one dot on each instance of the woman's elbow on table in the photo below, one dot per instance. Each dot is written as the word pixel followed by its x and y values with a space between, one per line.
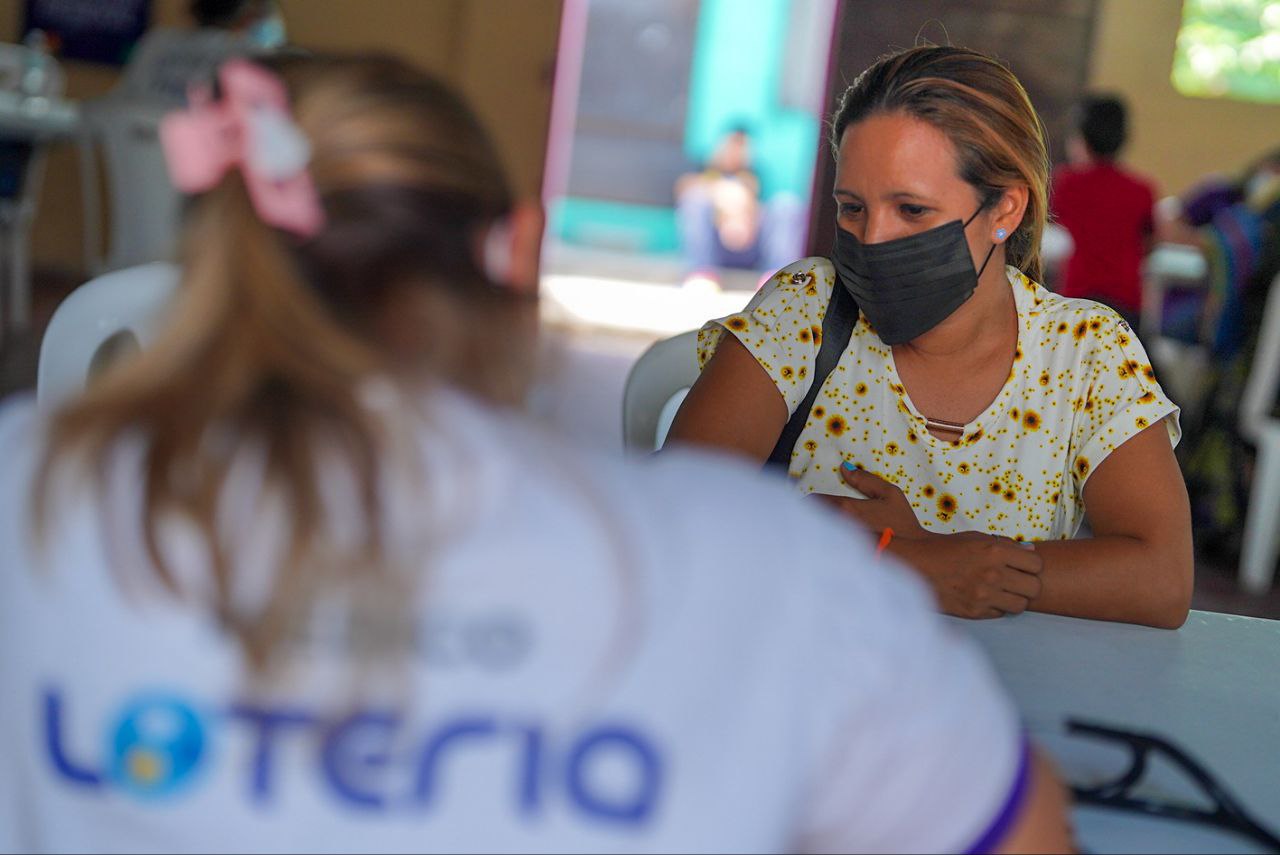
pixel 1169 603
pixel 1137 499
pixel 1177 602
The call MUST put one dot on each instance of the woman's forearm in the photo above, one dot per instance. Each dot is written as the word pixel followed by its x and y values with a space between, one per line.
pixel 1115 577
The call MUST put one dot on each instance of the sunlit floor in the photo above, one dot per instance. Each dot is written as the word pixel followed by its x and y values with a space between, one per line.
pixel 596 327
pixel 601 310
pixel 584 370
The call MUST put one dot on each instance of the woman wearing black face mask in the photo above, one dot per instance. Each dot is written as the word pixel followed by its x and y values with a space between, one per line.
pixel 972 412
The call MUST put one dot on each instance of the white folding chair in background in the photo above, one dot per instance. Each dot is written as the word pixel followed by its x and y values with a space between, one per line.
pixel 1262 520
pixel 144 208
pixel 114 312
pixel 1056 248
pixel 656 384
pixel 1182 365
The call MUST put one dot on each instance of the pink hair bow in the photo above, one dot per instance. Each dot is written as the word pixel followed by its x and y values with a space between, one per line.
pixel 251 127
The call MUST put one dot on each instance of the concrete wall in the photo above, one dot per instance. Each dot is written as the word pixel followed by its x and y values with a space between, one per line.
pixel 500 53
pixel 1176 139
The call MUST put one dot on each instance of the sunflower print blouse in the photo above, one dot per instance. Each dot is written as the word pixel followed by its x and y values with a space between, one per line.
pixel 1080 386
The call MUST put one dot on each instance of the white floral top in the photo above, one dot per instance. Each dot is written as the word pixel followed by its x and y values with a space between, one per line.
pixel 1080 386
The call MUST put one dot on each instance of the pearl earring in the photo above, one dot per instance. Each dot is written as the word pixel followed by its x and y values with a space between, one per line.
pixel 1000 234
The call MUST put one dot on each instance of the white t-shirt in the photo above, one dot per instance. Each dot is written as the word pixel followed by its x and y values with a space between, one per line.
pixel 601 655
pixel 1080 386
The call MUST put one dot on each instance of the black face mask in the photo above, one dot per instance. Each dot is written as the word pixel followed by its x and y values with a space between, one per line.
pixel 907 286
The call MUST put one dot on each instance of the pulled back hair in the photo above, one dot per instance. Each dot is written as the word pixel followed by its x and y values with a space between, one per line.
pixel 272 340
pixel 982 109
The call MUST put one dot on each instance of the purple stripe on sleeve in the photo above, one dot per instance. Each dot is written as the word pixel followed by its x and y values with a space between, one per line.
pixel 1012 807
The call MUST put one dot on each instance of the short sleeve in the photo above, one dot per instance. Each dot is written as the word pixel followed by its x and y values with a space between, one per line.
pixel 947 768
pixel 781 326
pixel 1121 399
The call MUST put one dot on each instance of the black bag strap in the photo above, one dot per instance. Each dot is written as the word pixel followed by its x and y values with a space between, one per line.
pixel 837 329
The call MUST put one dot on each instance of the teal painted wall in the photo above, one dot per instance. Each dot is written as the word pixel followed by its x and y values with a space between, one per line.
pixel 614 225
pixel 737 62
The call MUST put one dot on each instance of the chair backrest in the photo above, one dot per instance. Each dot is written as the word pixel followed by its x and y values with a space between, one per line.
pixel 144 207
pixel 1168 265
pixel 1056 244
pixel 96 317
pixel 666 370
pixel 1263 384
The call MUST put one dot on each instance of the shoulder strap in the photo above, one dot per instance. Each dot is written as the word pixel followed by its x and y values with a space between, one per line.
pixel 837 328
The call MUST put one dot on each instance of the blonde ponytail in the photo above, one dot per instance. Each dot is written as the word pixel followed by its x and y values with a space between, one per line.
pixel 272 339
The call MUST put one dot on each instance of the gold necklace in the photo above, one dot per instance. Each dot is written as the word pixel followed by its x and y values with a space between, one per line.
pixel 943 426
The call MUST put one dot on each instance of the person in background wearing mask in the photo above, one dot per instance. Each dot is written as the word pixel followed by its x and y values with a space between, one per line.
pixel 973 417
pixel 1109 211
pixel 166 61
pixel 302 577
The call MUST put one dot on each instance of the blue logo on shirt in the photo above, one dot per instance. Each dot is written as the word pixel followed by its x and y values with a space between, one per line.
pixel 159 744
pixel 156 747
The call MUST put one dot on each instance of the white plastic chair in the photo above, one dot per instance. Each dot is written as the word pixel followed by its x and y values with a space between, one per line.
pixel 145 208
pixel 1168 265
pixel 1262 521
pixel 95 317
pixel 1056 245
pixel 1182 365
pixel 656 384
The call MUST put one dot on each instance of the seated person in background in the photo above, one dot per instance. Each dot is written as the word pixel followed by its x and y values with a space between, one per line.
pixel 1234 223
pixel 1241 245
pixel 980 415
pixel 1108 210
pixel 167 60
pixel 1216 193
pixel 302 576
pixel 1230 219
pixel 723 219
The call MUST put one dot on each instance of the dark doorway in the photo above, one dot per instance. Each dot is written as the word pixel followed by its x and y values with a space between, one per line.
pixel 628 141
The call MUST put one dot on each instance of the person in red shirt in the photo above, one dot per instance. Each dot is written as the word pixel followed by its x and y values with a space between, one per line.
pixel 1107 209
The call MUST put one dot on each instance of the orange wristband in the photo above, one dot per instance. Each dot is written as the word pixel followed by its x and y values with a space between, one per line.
pixel 886 537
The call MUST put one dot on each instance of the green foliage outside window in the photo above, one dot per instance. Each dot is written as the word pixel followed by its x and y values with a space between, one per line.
pixel 1229 49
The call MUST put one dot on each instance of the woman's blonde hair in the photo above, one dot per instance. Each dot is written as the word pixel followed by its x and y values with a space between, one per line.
pixel 983 109
pixel 272 339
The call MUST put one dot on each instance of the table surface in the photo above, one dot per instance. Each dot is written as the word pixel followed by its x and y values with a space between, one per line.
pixel 1212 687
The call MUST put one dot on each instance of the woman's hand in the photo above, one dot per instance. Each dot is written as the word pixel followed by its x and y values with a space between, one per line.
pixel 884 506
pixel 975 575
